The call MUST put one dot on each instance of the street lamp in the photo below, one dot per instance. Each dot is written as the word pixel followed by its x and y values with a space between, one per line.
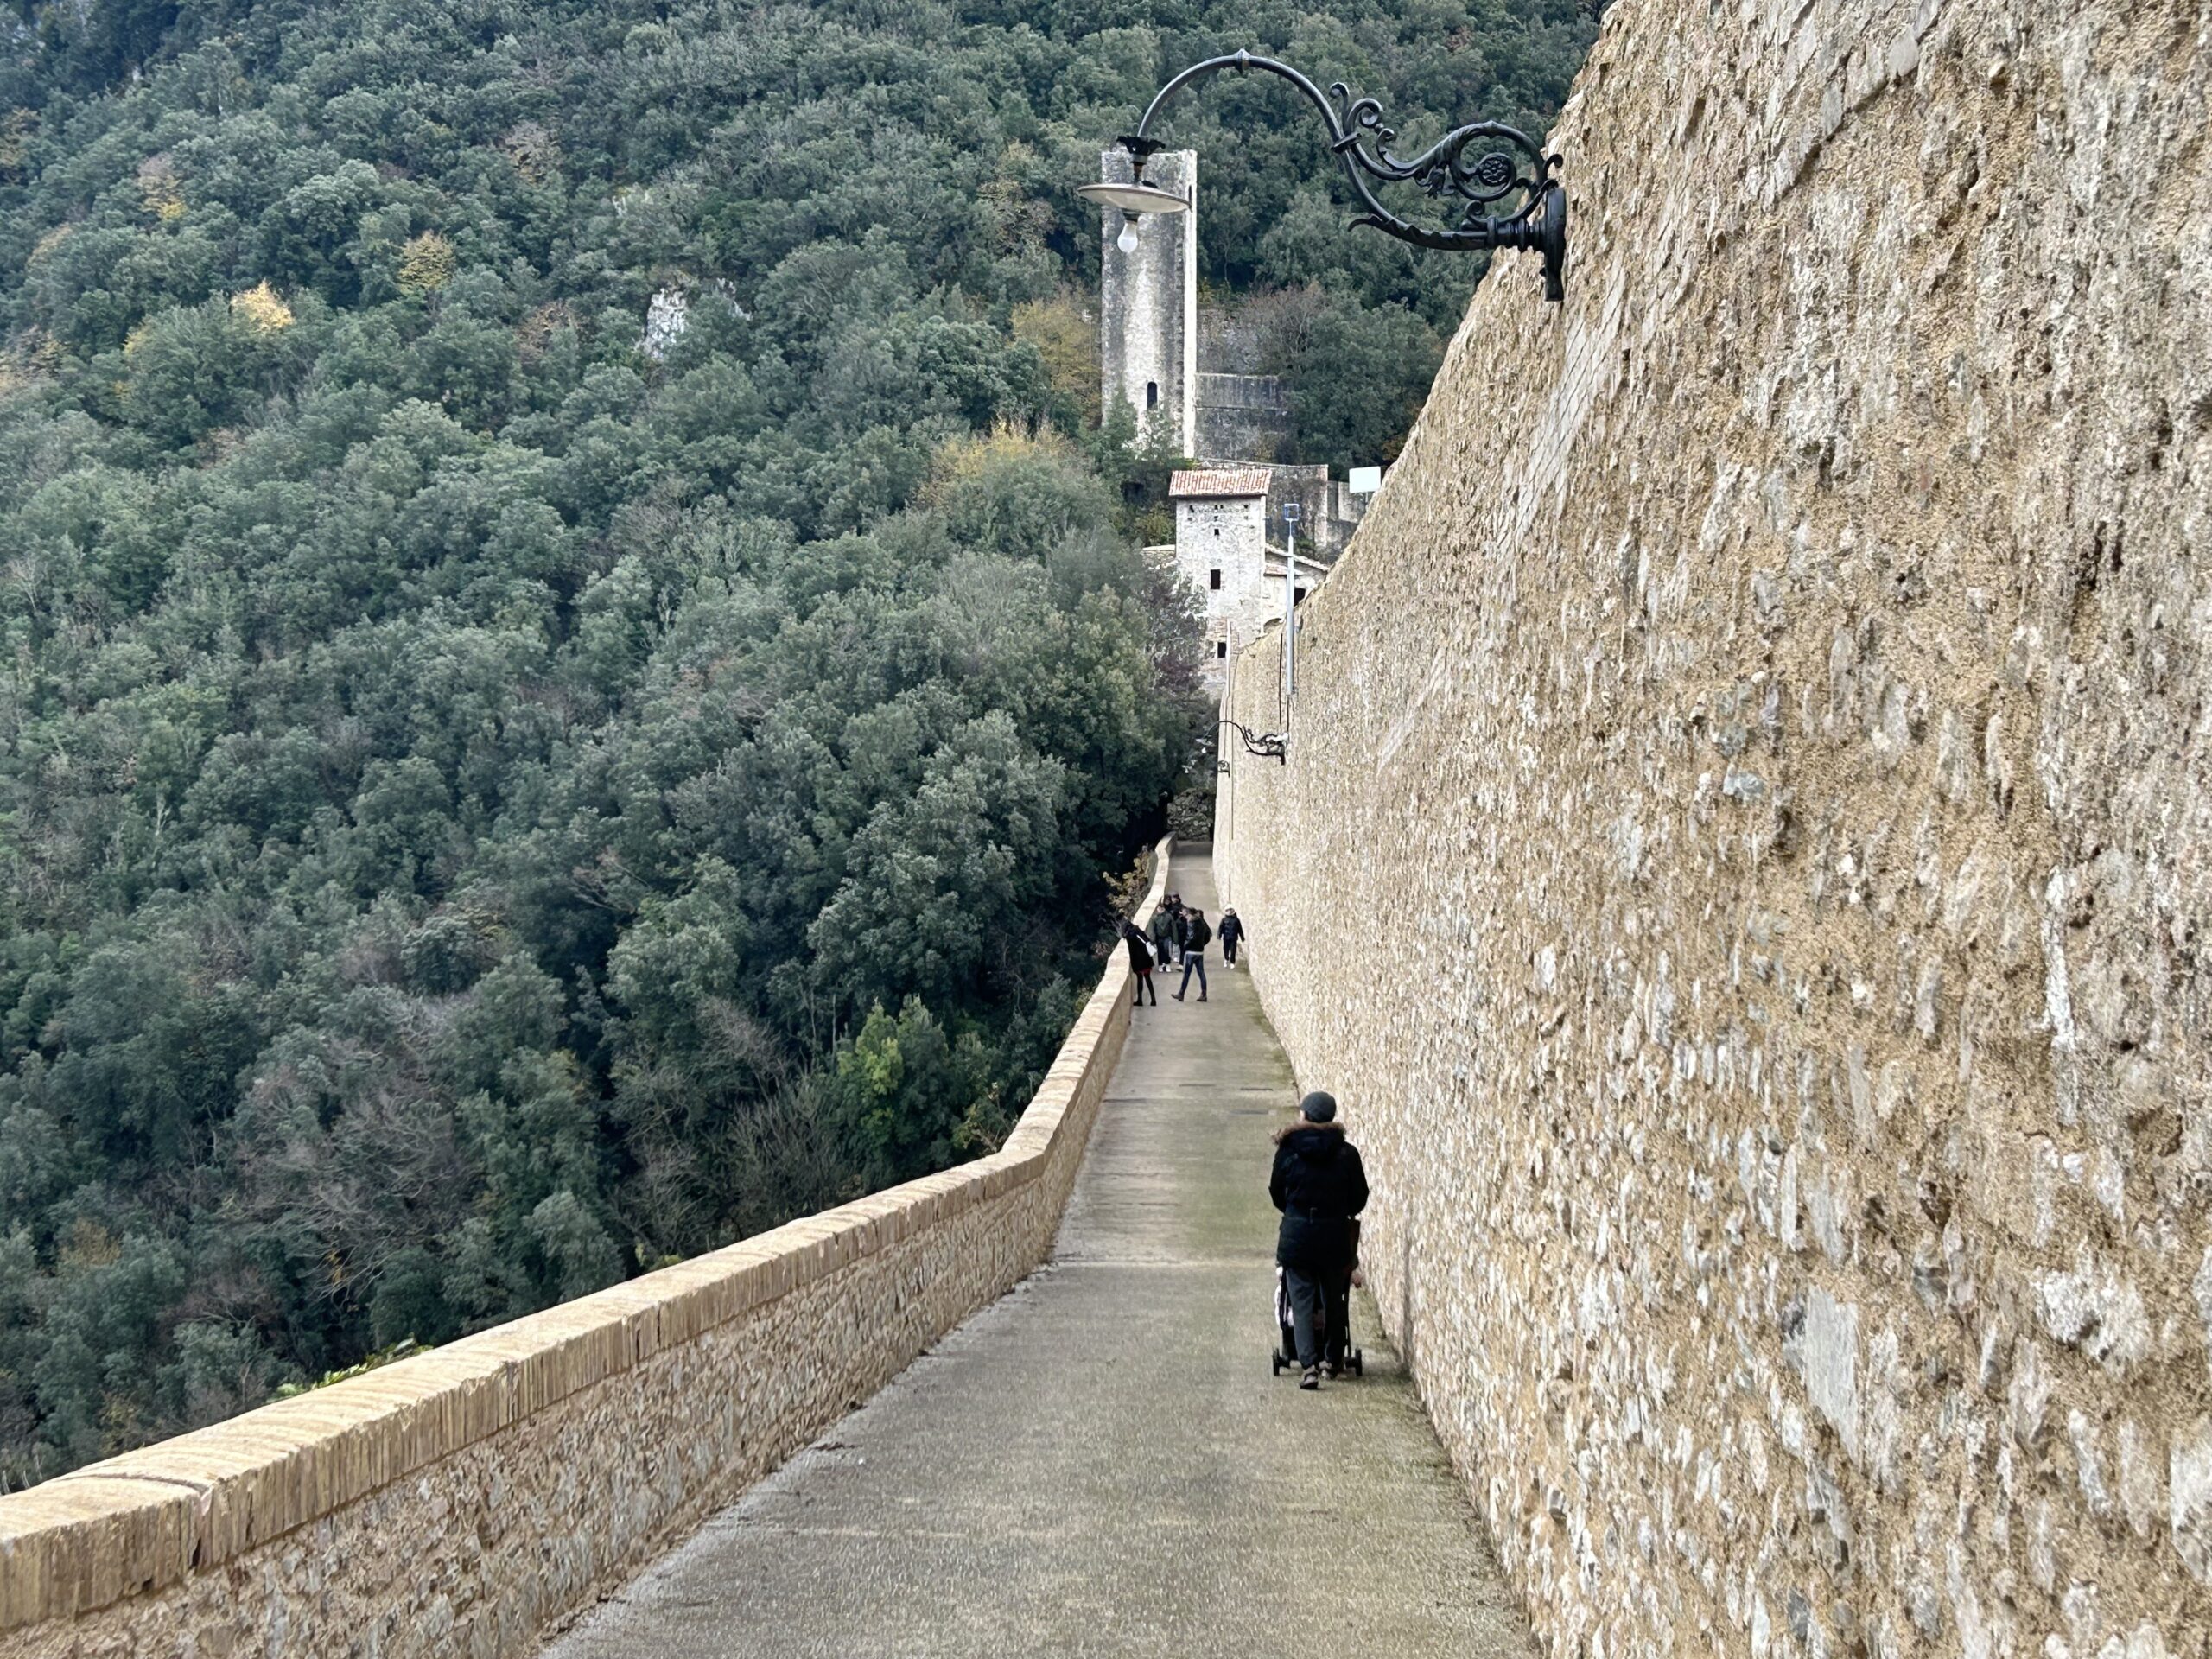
pixel 1510 171
pixel 1133 198
pixel 1269 746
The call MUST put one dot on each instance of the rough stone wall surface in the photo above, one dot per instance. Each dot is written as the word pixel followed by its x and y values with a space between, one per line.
pixel 1241 417
pixel 1745 854
pixel 460 1503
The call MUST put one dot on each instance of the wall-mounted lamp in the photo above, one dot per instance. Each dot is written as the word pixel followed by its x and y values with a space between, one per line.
pixel 1269 746
pixel 1510 170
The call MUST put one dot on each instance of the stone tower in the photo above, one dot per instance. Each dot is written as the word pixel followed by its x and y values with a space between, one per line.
pixel 1148 326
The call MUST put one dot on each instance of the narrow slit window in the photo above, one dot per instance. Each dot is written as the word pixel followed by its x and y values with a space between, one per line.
pixel 1152 394
pixel 1213 580
pixel 1221 647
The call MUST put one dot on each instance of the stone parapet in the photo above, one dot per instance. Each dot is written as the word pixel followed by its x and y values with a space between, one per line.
pixel 463 1501
pixel 1758 740
pixel 1256 391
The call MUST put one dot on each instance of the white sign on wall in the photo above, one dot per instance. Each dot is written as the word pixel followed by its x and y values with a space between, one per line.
pixel 1365 481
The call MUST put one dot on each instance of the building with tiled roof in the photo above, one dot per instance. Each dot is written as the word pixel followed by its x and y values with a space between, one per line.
pixel 1222 557
pixel 1220 481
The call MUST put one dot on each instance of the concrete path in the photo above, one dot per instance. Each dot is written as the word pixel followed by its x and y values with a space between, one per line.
pixel 1102 1462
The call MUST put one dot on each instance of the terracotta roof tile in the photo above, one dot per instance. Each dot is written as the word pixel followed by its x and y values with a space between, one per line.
pixel 1242 481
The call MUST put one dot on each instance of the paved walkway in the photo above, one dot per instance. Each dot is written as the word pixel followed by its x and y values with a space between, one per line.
pixel 1102 1462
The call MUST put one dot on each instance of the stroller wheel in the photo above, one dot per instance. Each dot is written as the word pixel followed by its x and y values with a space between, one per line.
pixel 1275 1361
pixel 1358 1363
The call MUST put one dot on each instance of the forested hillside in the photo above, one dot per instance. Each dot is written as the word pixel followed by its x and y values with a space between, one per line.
pixel 576 661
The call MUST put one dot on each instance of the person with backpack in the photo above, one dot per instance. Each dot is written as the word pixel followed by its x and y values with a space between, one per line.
pixel 1320 1186
pixel 1195 934
pixel 1140 950
pixel 1231 935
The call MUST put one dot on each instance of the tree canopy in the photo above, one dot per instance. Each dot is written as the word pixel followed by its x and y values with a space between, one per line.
pixel 577 663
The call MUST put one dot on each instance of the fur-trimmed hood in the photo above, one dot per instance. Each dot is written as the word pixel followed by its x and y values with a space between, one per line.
pixel 1319 1185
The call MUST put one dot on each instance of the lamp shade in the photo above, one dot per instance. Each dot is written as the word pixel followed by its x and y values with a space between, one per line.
pixel 1134 198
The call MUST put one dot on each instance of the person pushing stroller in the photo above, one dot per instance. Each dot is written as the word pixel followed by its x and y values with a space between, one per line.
pixel 1320 1186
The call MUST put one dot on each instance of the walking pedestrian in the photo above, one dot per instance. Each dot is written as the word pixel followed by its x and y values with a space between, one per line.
pixel 1320 1186
pixel 1195 934
pixel 1163 931
pixel 1140 949
pixel 1231 935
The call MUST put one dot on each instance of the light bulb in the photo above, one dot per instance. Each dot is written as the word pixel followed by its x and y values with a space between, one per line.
pixel 1127 241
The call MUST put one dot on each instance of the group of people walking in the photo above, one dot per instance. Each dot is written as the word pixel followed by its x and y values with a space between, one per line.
pixel 1179 934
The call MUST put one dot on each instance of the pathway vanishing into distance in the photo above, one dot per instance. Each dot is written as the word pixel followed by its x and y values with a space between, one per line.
pixel 1101 1462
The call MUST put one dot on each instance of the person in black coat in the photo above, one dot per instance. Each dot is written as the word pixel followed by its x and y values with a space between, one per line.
pixel 1231 934
pixel 1320 1186
pixel 1196 937
pixel 1140 950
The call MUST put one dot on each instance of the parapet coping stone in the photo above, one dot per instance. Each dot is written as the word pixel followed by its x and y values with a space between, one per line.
pixel 152 1518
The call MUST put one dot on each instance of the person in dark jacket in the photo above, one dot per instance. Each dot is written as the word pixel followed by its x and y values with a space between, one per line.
pixel 1140 951
pixel 1320 1186
pixel 1231 935
pixel 1197 935
pixel 1163 930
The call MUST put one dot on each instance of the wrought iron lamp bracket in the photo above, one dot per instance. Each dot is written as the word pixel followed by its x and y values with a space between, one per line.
pixel 1269 746
pixel 1512 196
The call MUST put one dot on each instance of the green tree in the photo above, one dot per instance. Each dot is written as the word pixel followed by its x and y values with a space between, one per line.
pixel 557 566
pixel 1358 375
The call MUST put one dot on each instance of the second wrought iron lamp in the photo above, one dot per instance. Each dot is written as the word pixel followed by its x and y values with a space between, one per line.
pixel 1511 195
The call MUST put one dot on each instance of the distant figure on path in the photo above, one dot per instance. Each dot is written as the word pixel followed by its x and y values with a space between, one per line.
pixel 1231 935
pixel 1139 965
pixel 1320 1185
pixel 1195 934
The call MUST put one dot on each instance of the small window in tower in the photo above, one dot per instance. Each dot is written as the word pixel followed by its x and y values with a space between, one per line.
pixel 1152 394
pixel 1299 598
pixel 1221 648
pixel 1213 580
pixel 1217 530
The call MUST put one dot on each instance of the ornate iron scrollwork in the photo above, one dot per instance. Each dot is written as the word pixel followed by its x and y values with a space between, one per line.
pixel 1512 196
pixel 1269 746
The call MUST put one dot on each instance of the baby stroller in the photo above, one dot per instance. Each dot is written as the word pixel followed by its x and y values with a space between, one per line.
pixel 1285 1353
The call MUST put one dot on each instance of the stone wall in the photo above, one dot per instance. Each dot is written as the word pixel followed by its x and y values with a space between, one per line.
pixel 1241 417
pixel 1745 854
pixel 460 1503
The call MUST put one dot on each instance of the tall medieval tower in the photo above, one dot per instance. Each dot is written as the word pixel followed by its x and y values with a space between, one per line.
pixel 1148 322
